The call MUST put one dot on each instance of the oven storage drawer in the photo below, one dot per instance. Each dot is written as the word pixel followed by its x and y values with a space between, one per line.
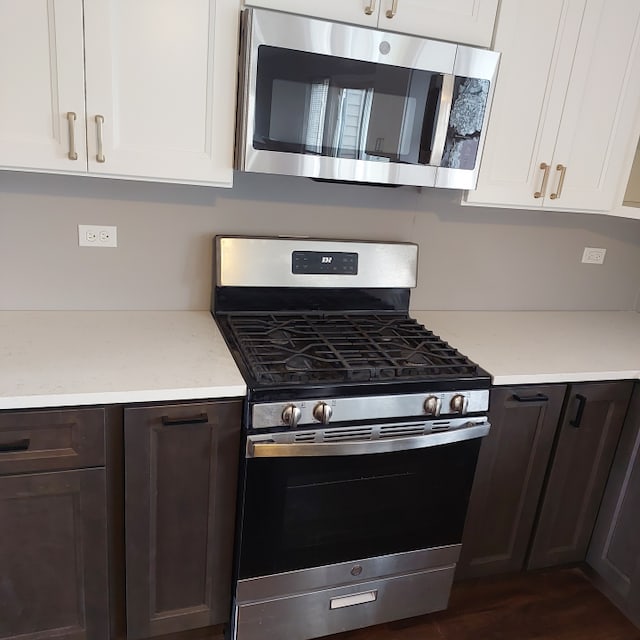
pixel 319 613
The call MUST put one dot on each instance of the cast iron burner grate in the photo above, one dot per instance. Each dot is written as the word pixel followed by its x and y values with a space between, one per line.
pixel 332 348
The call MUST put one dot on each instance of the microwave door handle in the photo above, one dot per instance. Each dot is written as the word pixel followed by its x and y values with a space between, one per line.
pixel 260 449
pixel 442 119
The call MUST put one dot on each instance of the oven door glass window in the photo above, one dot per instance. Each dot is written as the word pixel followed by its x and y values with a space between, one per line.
pixel 322 105
pixel 315 511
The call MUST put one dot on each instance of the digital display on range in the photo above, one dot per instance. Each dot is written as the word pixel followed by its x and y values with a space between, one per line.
pixel 340 263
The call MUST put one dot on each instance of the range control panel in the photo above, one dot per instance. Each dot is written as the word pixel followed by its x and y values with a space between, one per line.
pixel 321 262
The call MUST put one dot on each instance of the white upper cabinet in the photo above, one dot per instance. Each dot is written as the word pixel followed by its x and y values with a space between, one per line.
pixel 160 87
pixel 41 84
pixel 468 21
pixel 565 105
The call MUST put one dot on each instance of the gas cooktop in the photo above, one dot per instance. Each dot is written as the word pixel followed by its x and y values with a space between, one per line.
pixel 279 349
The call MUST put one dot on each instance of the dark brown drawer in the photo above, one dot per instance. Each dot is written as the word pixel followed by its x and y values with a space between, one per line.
pixel 51 440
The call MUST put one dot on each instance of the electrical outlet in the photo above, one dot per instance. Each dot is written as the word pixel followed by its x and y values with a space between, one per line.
pixel 93 235
pixel 593 255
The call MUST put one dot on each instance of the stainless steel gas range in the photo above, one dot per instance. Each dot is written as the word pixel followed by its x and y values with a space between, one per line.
pixel 360 438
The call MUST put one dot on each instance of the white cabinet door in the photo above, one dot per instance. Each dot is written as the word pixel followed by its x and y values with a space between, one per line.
pixel 362 12
pixel 599 109
pixel 564 112
pixel 41 81
pixel 161 88
pixel 537 40
pixel 468 21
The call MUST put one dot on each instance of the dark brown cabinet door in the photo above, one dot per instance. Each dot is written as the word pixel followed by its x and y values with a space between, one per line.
pixel 53 556
pixel 614 550
pixel 509 478
pixel 586 444
pixel 180 490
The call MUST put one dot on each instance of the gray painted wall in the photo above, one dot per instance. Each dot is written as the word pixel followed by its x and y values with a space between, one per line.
pixel 470 258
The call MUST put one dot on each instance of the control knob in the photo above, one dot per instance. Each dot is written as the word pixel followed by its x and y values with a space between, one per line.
pixel 459 404
pixel 322 412
pixel 291 415
pixel 432 406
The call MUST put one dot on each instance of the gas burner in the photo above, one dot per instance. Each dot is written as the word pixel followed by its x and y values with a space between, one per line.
pixel 298 363
pixel 279 337
pixel 415 359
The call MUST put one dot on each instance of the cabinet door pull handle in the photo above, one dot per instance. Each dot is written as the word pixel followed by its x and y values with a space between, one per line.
pixel 71 120
pixel 371 8
pixel 17 445
pixel 100 154
pixel 545 178
pixel 582 401
pixel 538 397
pixel 394 9
pixel 173 422
pixel 563 172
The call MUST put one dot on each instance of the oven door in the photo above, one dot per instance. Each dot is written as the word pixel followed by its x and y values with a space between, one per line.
pixel 313 504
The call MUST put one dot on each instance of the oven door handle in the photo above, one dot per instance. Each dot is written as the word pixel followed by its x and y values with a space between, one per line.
pixel 257 447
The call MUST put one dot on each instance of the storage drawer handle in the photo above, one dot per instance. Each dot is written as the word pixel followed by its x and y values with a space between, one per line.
pixel 356 598
pixel 538 397
pixel 371 8
pixel 17 445
pixel 173 422
pixel 582 401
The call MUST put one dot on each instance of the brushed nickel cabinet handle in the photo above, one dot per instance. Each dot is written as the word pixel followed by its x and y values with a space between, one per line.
pixel 394 9
pixel 545 178
pixel 563 172
pixel 99 122
pixel 371 8
pixel 71 119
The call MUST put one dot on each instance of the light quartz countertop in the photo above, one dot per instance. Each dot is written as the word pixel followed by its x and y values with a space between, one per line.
pixel 57 358
pixel 522 347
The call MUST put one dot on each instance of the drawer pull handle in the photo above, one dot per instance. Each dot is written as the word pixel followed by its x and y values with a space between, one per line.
pixel 582 401
pixel 356 598
pixel 18 445
pixel 538 397
pixel 174 422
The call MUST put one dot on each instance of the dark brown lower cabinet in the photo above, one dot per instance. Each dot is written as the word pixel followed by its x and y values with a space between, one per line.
pixel 53 559
pixel 54 580
pixel 586 443
pixel 180 491
pixel 614 550
pixel 509 477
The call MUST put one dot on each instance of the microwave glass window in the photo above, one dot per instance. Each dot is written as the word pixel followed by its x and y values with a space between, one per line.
pixel 465 123
pixel 328 106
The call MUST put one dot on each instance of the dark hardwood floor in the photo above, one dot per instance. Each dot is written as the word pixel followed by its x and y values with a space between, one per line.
pixel 544 605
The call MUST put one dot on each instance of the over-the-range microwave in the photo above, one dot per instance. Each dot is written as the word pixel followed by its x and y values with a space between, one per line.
pixel 337 102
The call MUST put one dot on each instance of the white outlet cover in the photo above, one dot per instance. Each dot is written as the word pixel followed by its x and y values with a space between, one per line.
pixel 593 255
pixel 97 235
